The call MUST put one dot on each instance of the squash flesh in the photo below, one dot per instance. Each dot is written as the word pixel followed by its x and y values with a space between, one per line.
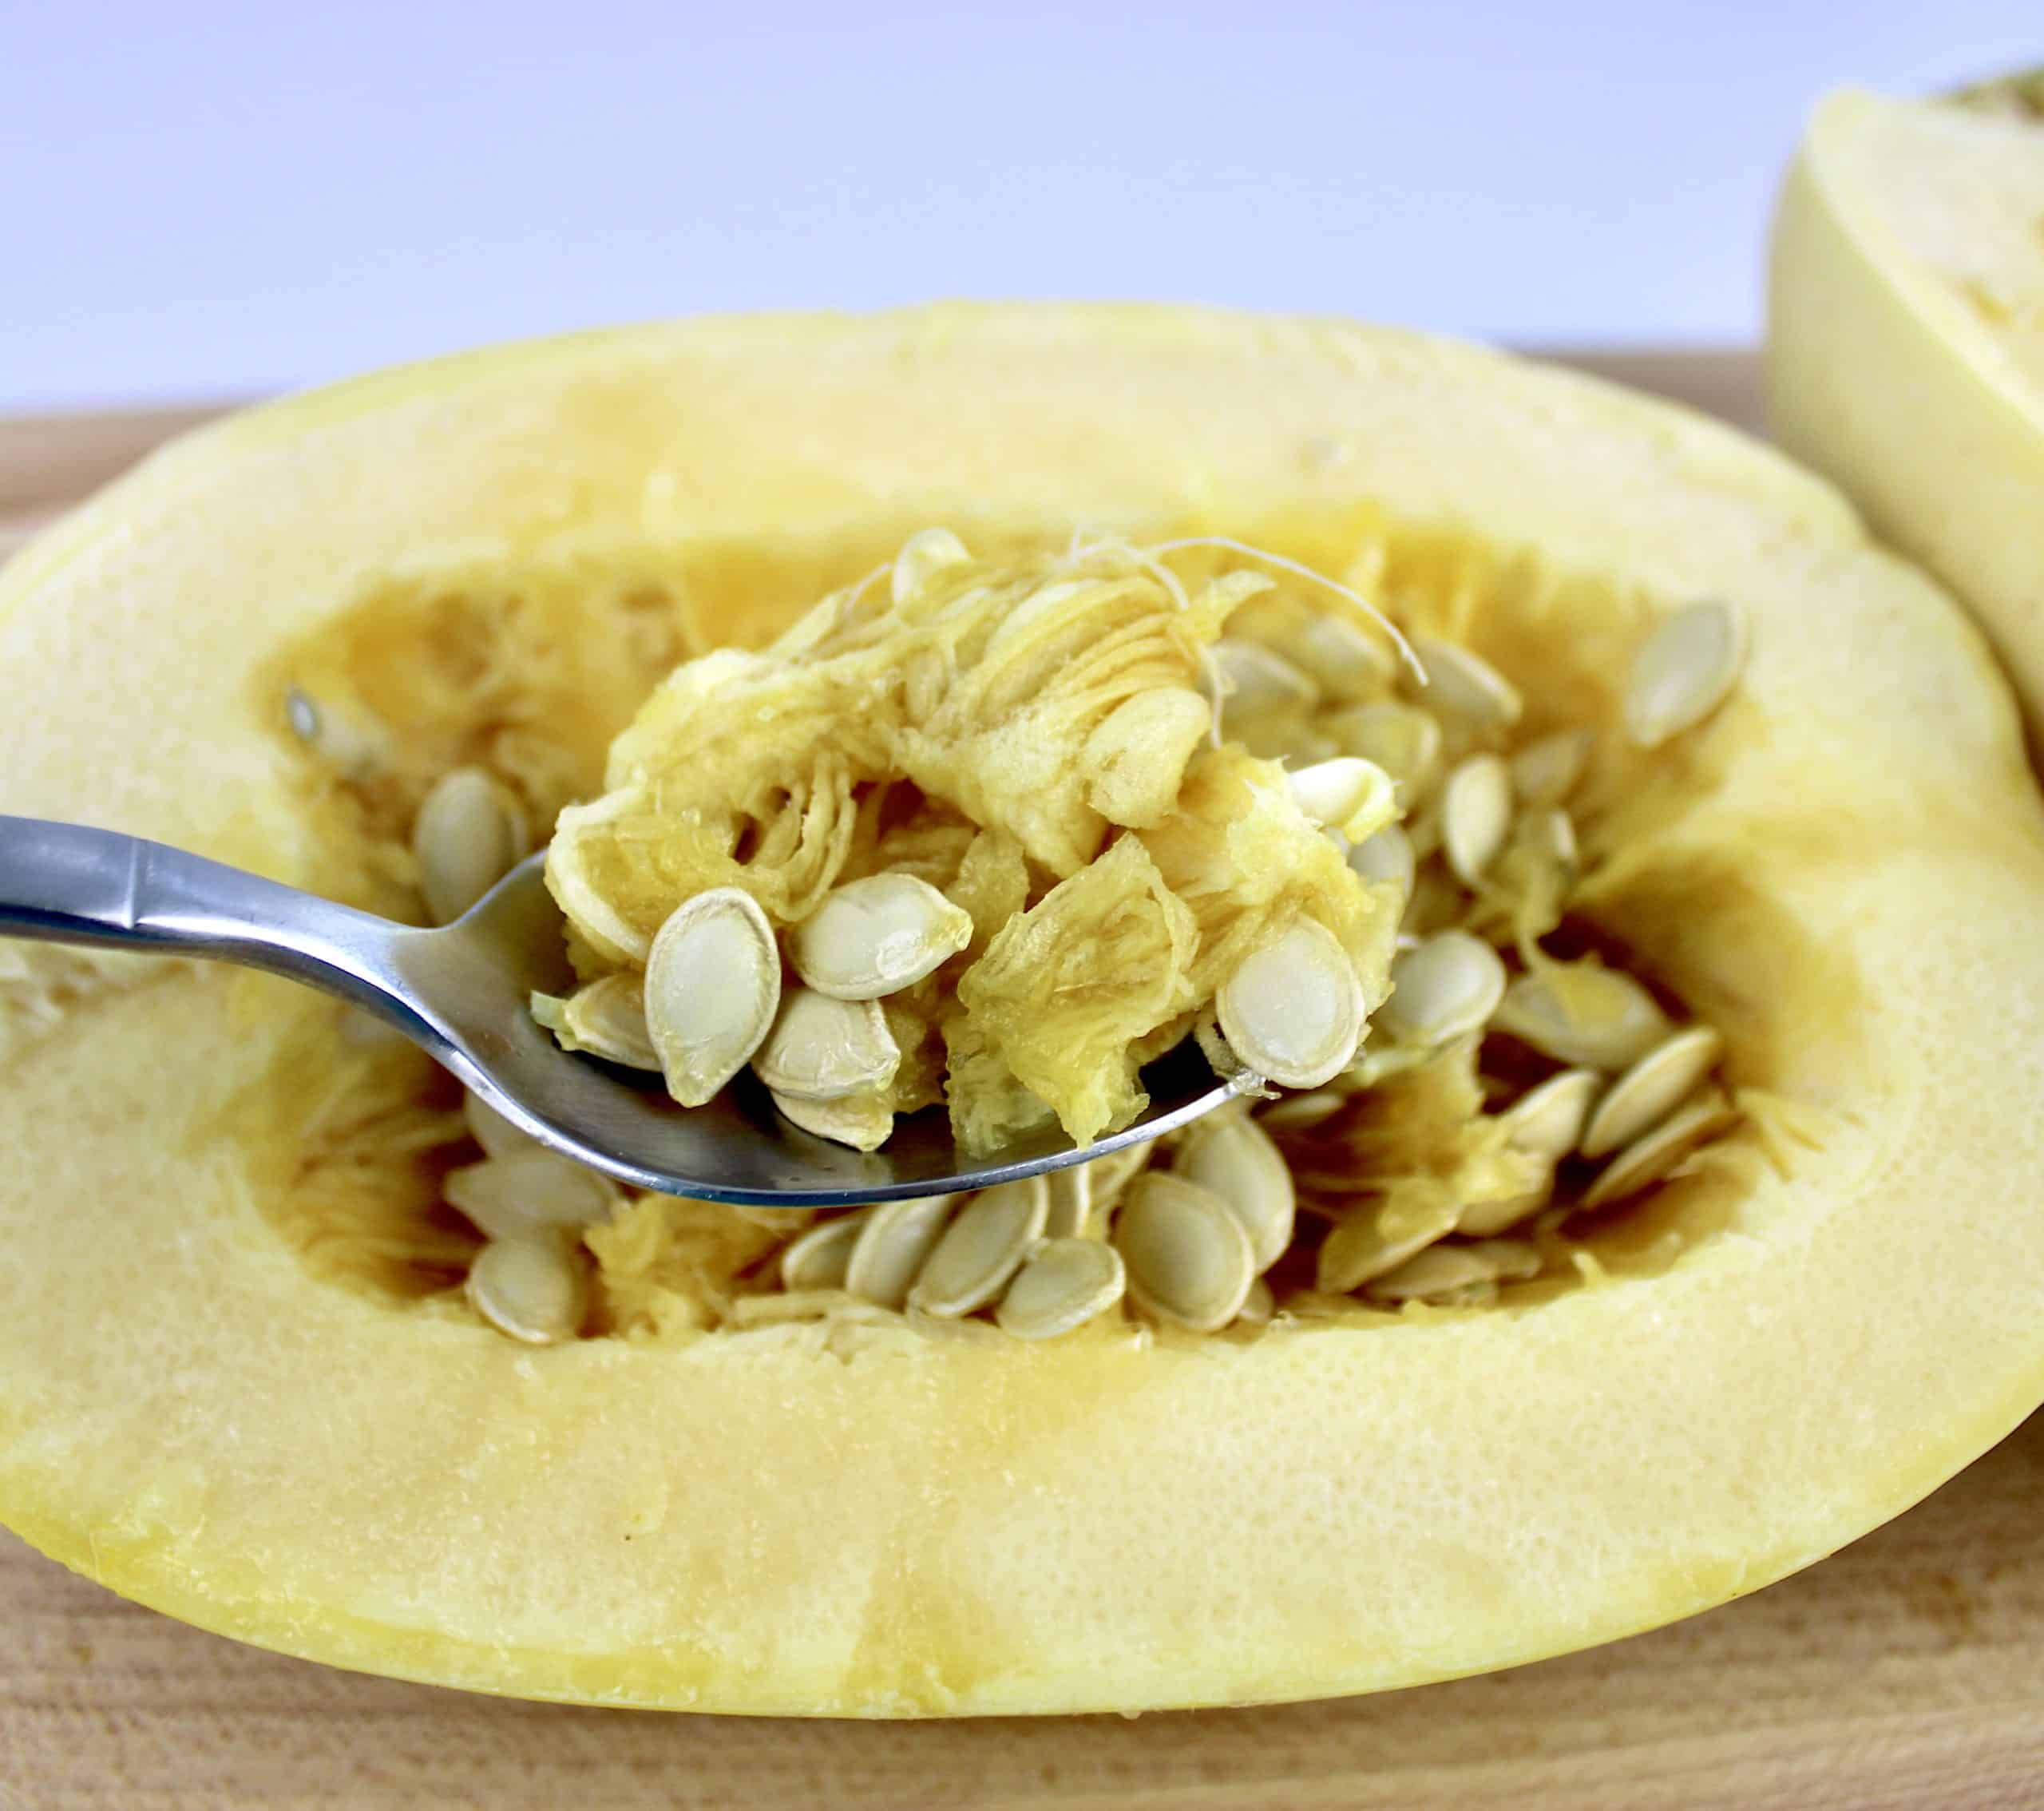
pixel 1905 346
pixel 931 1525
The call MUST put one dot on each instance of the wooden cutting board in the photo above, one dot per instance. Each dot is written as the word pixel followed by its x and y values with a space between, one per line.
pixel 1906 1670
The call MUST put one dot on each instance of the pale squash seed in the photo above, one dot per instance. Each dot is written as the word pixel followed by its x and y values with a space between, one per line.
pixel 894 1244
pixel 1547 1121
pixel 1064 1283
pixel 1071 1201
pixel 1466 685
pixel 1375 1240
pixel 1447 987
pixel 606 1018
pixel 1583 1014
pixel 1255 679
pixel 713 985
pixel 981 1249
pixel 1293 1011
pixel 1189 1258
pixel 1684 670
pixel 863 1120
pixel 1650 1157
pixel 1346 794
pixel 1652 1089
pixel 820 1049
pixel 529 1190
pixel 822 1256
pixel 470 833
pixel 489 1128
pixel 1386 858
pixel 1234 1158
pixel 534 1289
pixel 1545 772
pixel 875 937
pixel 1403 739
pixel 1449 1270
pixel 1476 805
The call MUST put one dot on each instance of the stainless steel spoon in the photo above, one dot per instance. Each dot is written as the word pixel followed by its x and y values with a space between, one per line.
pixel 461 994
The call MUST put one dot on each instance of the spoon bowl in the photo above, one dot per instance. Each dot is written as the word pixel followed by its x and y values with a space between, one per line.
pixel 462 993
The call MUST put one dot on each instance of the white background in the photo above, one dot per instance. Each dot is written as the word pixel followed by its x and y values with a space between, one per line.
pixel 203 199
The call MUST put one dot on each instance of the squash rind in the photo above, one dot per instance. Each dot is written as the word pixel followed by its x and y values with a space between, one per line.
pixel 1881 375
pixel 772 1521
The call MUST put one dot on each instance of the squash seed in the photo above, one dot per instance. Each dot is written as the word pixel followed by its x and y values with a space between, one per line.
pixel 352 749
pixel 1071 1201
pixel 1547 1120
pixel 1476 806
pixel 922 557
pixel 1545 772
pixel 982 1248
pixel 1449 986
pixel 527 1190
pixel 1137 754
pixel 1403 739
pixel 1064 1283
pixel 892 1246
pixel 1255 679
pixel 1650 1158
pixel 1467 684
pixel 1386 1060
pixel 1652 1089
pixel 864 1121
pixel 1293 1011
pixel 1189 1257
pixel 1548 835
pixel 875 937
pixel 1375 1240
pixel 788 1307
pixel 489 1128
pixel 713 985
pixel 468 834
pixel 1106 1178
pixel 534 1289
pixel 1347 661
pixel 824 1049
pixel 1583 1014
pixel 1481 1219
pixel 820 1258
pixel 1451 1270
pixel 1236 1159
pixel 1515 1260
pixel 1386 858
pixel 606 1019
pixel 1297 1112
pixel 1347 794
pixel 1684 670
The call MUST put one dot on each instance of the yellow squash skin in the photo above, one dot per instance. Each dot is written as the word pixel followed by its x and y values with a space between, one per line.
pixel 773 1521
pixel 1905 353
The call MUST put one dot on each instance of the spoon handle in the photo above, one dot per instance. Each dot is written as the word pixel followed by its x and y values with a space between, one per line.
pixel 68 883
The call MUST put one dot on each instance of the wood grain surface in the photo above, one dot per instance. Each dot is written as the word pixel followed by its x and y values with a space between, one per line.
pixel 1906 1670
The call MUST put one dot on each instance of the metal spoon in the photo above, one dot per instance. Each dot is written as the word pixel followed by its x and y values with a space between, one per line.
pixel 461 994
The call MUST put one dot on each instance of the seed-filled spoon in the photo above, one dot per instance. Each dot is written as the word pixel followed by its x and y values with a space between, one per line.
pixel 461 994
